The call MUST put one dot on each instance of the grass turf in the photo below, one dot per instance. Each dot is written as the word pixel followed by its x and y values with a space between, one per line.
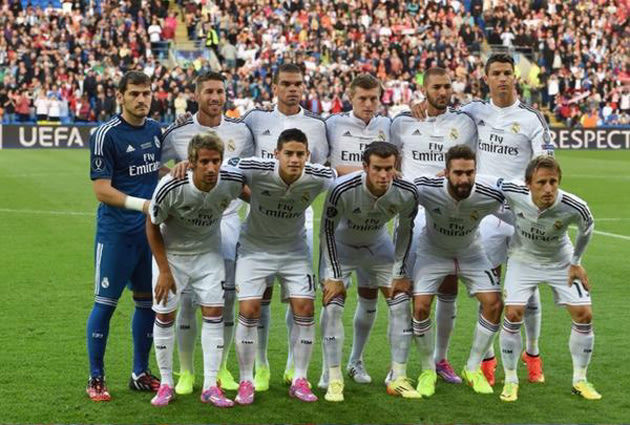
pixel 47 226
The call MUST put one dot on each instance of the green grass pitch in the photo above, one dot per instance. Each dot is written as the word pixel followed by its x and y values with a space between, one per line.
pixel 46 274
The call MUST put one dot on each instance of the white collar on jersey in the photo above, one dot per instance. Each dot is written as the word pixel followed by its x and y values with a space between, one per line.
pixel 277 111
pixel 195 118
pixel 512 106
pixel 195 189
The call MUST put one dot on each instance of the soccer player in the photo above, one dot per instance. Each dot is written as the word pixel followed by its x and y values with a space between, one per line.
pixel 184 234
pixel 273 243
pixel 210 94
pixel 541 251
pixel 354 237
pixel 266 126
pixel 348 134
pixel 124 160
pixel 423 145
pixel 511 133
pixel 450 244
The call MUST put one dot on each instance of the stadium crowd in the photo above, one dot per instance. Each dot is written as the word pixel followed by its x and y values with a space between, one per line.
pixel 61 60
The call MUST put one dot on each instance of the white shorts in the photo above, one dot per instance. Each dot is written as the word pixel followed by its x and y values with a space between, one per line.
pixel 495 237
pixel 522 279
pixel 473 269
pixel 203 275
pixel 372 263
pixel 293 269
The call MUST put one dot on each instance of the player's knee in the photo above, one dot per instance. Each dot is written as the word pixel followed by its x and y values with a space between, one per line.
pixel 582 315
pixel 165 317
pixel 368 293
pixel 212 311
pixel 514 314
pixel 303 307
pixel 249 309
pixel 492 309
pixel 421 309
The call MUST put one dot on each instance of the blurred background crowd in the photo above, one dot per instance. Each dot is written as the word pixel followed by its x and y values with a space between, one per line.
pixel 60 60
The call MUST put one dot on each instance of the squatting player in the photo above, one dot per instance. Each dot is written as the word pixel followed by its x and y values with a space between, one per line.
pixel 541 251
pixel 450 244
pixel 348 134
pixel 354 237
pixel 273 244
pixel 184 234
pixel 210 94
pixel 124 160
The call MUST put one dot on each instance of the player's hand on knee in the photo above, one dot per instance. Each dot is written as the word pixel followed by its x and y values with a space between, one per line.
pixel 401 285
pixel 180 169
pixel 419 110
pixel 333 289
pixel 577 272
pixel 165 283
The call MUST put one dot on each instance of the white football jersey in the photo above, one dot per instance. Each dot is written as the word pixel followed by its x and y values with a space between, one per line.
pixel 189 218
pixel 541 237
pixel 452 227
pixel 423 143
pixel 237 139
pixel 266 127
pixel 353 216
pixel 508 138
pixel 348 136
pixel 275 222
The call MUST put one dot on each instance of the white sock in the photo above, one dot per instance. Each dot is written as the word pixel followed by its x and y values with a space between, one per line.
pixel 186 331
pixel 228 325
pixel 399 329
pixel 164 342
pixel 425 341
pixel 305 334
pixel 263 334
pixel 212 347
pixel 511 347
pixel 245 342
pixel 445 314
pixel 332 332
pixel 323 322
pixel 533 320
pixel 364 317
pixel 288 318
pixel 581 344
pixel 484 335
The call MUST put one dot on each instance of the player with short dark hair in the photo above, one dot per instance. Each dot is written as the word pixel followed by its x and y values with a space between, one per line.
pixel 125 159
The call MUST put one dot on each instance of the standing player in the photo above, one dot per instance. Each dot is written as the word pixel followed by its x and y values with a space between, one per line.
pixel 423 145
pixel 348 134
pixel 266 126
pixel 354 237
pixel 450 244
pixel 541 251
pixel 125 159
pixel 238 142
pixel 184 234
pixel 511 133
pixel 273 243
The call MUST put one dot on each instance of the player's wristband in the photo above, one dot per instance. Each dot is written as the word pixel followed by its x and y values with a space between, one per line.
pixel 133 203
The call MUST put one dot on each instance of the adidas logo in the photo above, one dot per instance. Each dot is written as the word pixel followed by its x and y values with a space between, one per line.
pixel 481 123
pixel 437 210
pixel 265 193
pixel 416 133
pixel 520 215
pixel 130 149
pixel 266 133
pixel 347 134
pixel 356 211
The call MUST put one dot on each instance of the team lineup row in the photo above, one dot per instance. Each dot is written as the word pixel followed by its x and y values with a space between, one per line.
pixel 506 135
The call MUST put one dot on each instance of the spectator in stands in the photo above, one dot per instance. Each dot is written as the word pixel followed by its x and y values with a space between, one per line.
pixel 23 106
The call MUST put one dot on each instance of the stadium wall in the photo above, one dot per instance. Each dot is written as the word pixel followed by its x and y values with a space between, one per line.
pixel 31 136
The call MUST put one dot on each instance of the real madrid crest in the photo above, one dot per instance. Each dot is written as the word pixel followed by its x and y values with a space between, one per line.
pixel 516 127
pixel 381 136
pixel 392 210
pixel 224 204
pixel 454 134
pixel 558 224
pixel 474 215
pixel 157 142
pixel 231 145
pixel 306 197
